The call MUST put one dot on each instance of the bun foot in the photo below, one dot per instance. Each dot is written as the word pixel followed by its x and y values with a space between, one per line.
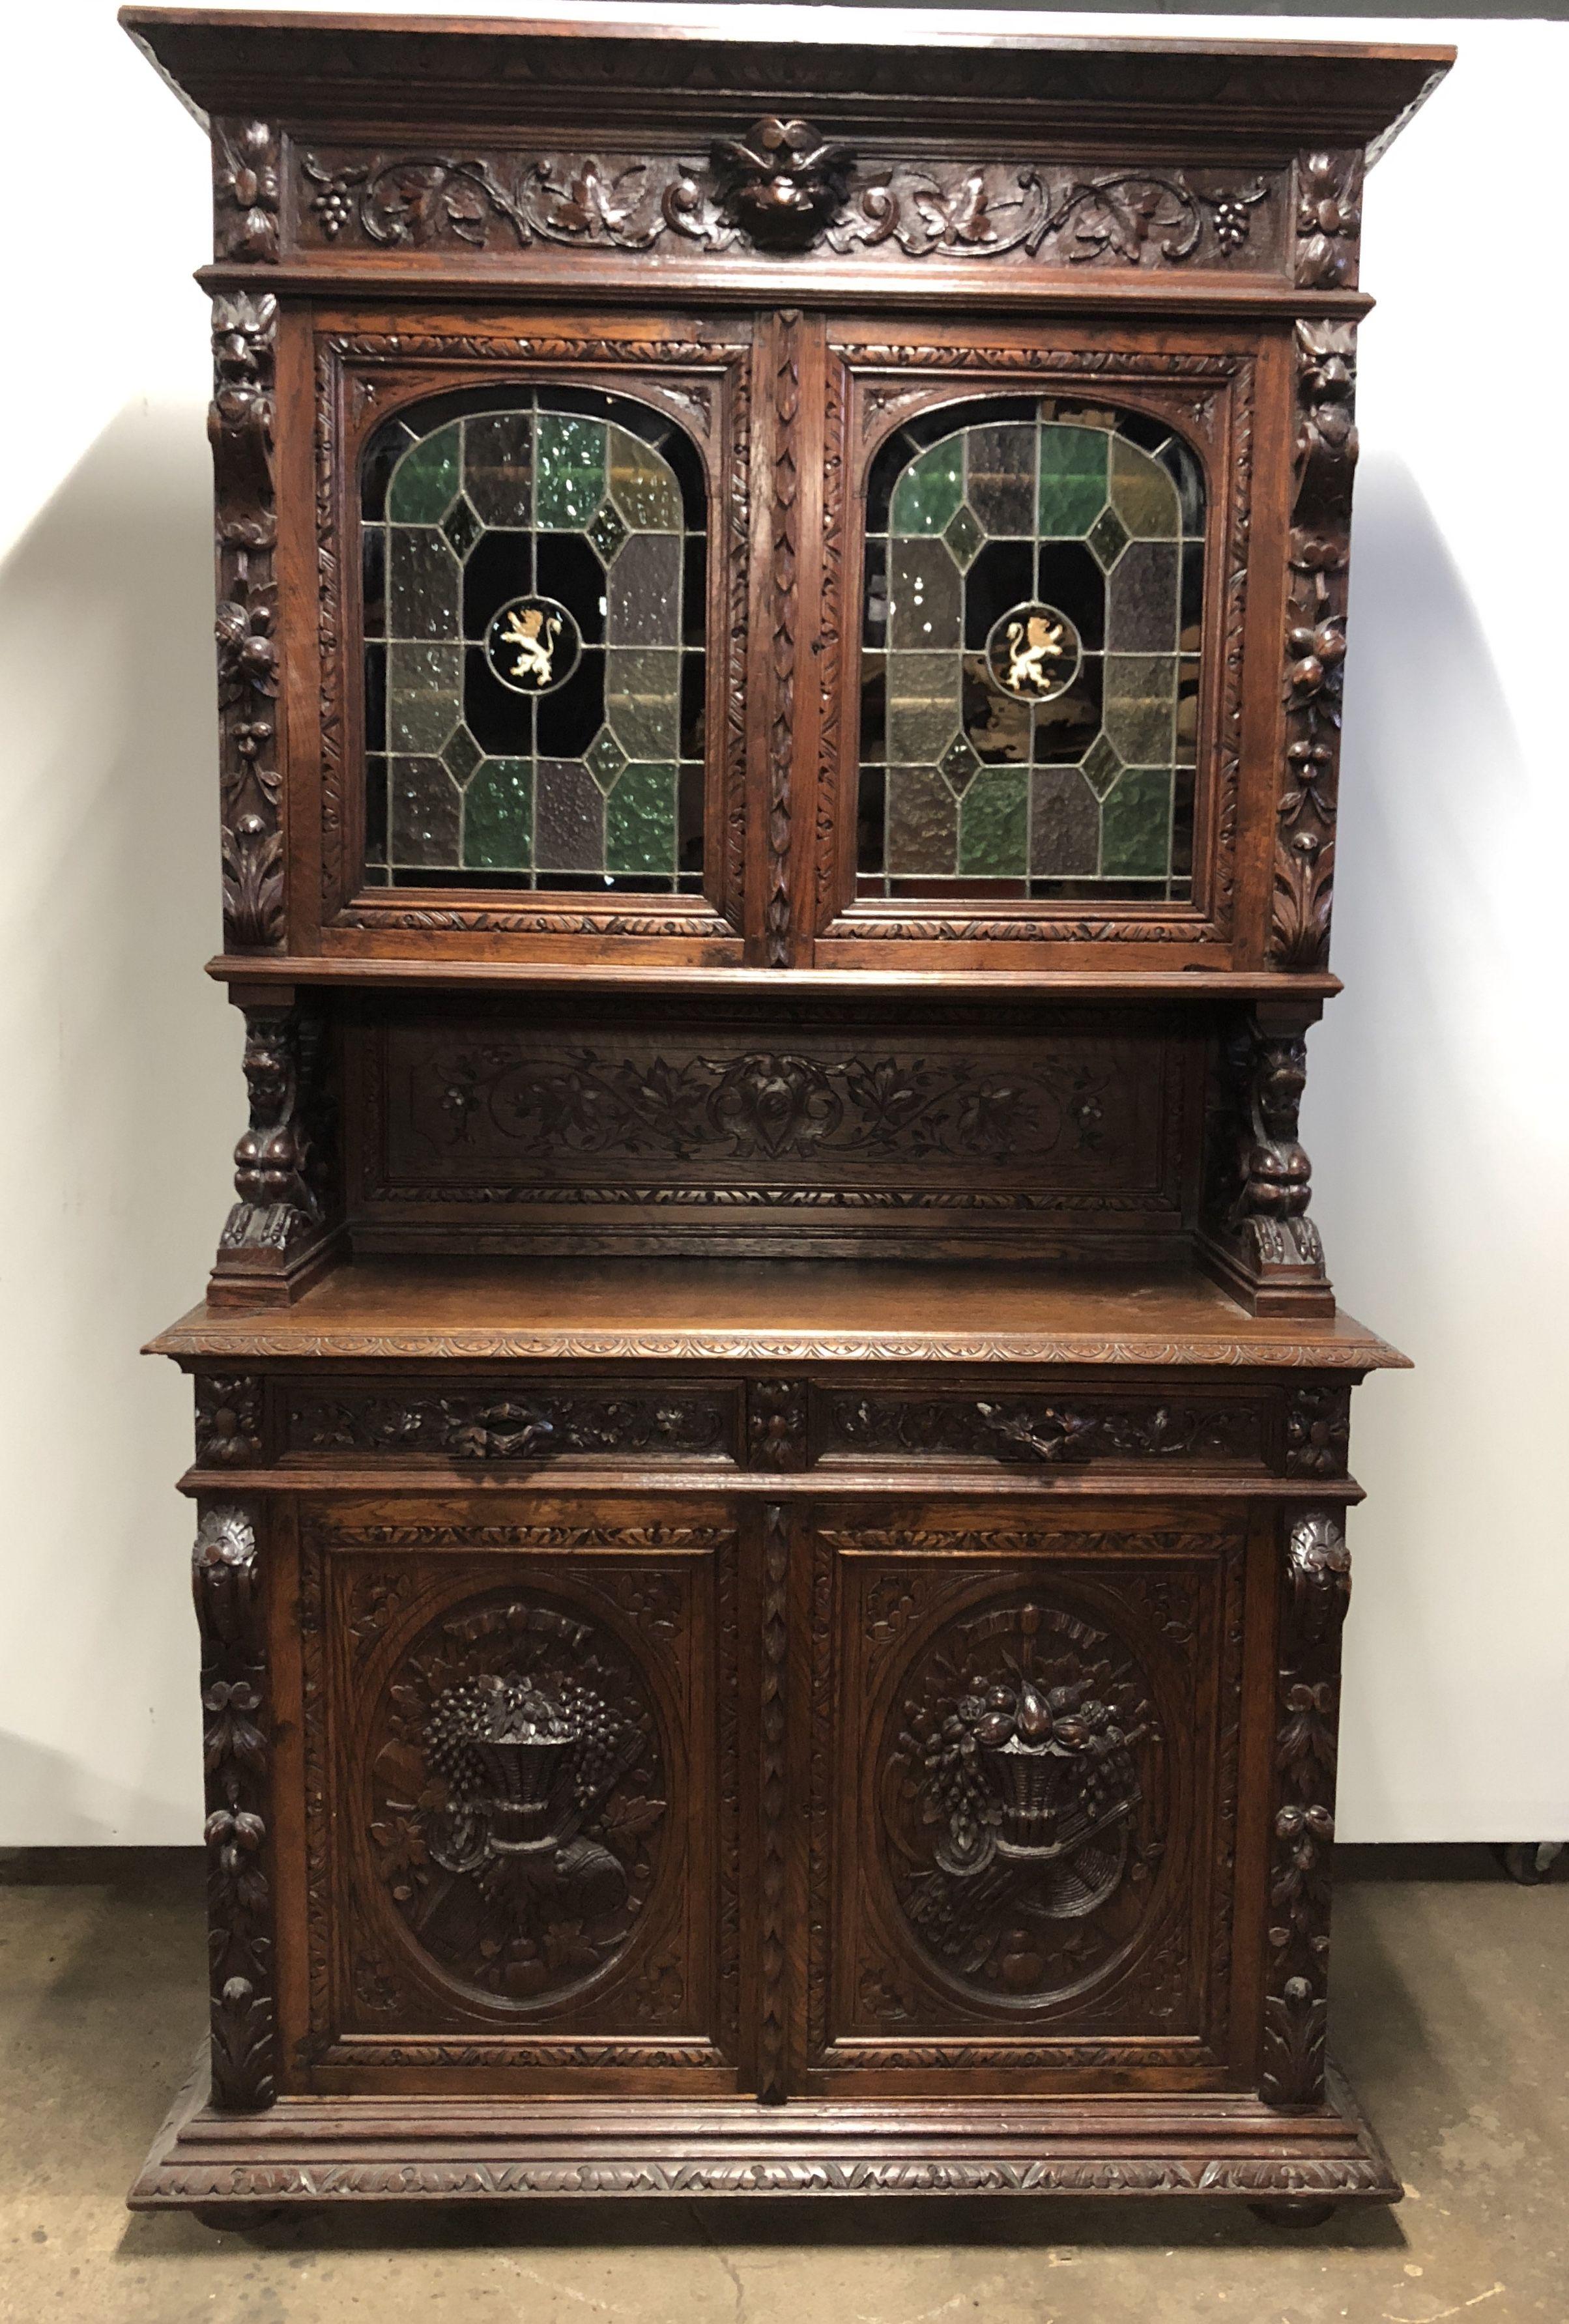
pixel 1293 2215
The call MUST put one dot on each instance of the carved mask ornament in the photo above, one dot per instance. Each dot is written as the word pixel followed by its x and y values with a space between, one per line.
pixel 783 184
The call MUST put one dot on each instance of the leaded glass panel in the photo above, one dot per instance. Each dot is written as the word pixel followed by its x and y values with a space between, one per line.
pixel 1031 655
pixel 534 566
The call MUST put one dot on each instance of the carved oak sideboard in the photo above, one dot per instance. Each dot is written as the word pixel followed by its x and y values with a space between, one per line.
pixel 771 1425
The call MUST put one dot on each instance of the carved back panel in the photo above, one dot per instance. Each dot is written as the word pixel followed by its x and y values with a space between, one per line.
pixel 828 1129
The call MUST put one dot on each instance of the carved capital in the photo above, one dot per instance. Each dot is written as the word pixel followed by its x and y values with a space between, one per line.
pixel 1313 1600
pixel 226 1585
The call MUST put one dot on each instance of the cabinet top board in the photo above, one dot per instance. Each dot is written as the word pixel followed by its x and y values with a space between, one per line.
pixel 665 73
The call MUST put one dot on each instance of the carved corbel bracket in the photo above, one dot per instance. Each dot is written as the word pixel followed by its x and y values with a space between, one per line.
pixel 285 1224
pixel 227 1586
pixel 1314 1596
pixel 1255 1236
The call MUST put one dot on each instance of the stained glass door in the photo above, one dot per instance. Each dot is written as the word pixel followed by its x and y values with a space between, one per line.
pixel 534 590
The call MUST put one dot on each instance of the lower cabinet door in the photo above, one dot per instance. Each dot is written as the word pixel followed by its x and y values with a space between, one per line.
pixel 517 1796
pixel 1026 1730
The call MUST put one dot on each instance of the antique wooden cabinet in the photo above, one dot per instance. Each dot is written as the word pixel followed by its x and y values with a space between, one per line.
pixel 770 1423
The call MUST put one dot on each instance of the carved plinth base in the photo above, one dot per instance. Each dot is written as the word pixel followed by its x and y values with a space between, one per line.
pixel 388 2150
pixel 263 1274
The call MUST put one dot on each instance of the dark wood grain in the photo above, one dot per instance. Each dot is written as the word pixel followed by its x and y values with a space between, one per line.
pixel 772 1463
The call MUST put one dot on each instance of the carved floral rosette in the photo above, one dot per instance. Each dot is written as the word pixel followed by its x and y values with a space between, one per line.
pixel 518 1799
pixel 1022 1800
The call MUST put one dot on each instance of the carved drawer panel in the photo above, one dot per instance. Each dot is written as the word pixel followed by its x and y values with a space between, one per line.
pixel 1024 1786
pixel 513 1419
pixel 521 1798
pixel 1042 1425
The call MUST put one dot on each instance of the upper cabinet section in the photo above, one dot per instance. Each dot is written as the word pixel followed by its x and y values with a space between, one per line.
pixel 690 504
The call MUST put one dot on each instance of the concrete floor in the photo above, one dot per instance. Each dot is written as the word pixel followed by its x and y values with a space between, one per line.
pixel 1449 2015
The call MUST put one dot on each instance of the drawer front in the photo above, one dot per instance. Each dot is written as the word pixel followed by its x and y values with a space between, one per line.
pixel 1043 1425
pixel 520 1418
pixel 520 1786
pixel 1024 1790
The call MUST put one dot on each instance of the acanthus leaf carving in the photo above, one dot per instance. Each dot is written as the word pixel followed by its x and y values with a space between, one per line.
pixel 1328 220
pixel 776 1424
pixel 1319 1430
pixel 226 1586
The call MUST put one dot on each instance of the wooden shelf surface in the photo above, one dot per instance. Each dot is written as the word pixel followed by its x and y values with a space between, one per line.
pixel 770 1311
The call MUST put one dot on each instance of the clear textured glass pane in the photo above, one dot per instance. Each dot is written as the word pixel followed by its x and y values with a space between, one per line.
pixel 923 706
pixel 1065 825
pixel 1001 481
pixel 923 822
pixel 924 595
pixel 568 551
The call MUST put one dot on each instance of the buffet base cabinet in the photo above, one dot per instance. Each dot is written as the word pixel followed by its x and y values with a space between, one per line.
pixel 792 1811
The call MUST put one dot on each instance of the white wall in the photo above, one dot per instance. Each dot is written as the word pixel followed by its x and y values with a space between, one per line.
pixel 1436 1113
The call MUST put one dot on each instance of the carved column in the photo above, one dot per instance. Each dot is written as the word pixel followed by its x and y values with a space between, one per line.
pixel 240 424
pixel 1316 1595
pixel 1326 452
pixel 285 1225
pixel 233 1694
pixel 1255 1235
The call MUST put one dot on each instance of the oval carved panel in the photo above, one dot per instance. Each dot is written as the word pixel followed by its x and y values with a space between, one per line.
pixel 518 1792
pixel 1023 1800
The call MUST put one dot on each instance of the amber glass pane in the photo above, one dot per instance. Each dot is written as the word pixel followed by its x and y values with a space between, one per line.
pixel 1029 666
pixel 534 585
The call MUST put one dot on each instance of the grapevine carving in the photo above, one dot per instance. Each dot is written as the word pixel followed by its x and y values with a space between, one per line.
pixel 233 1693
pixel 783 186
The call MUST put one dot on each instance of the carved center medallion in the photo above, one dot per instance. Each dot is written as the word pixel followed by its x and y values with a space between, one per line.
pixel 1021 1800
pixel 533 645
pixel 517 1798
pixel 1034 651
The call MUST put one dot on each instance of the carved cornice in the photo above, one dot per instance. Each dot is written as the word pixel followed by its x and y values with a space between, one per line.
pixel 1313 1609
pixel 226 1585
pixel 783 187
pixel 240 425
pixel 1326 453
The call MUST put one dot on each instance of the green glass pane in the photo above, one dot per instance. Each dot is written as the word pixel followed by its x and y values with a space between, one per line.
pixel 1073 479
pixel 994 825
pixel 1140 705
pixel 425 479
pixel 643 695
pixel 1136 824
pixel 569 471
pixel 639 822
pixel 923 821
pixel 1142 494
pixel 497 816
pixel 641 485
pixel 928 495
pixel 424 696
